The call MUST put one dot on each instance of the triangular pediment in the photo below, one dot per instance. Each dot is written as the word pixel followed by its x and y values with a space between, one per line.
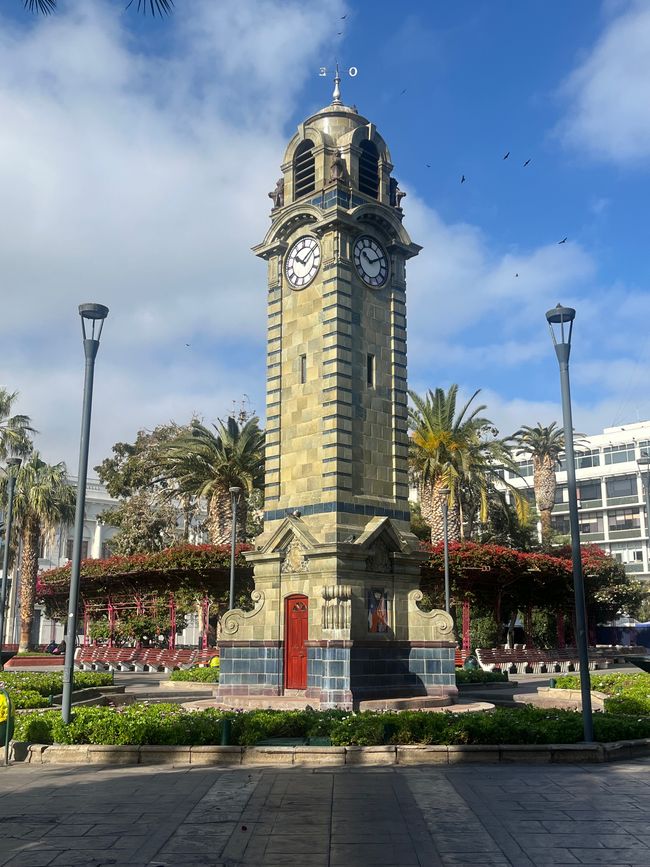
pixel 381 530
pixel 290 530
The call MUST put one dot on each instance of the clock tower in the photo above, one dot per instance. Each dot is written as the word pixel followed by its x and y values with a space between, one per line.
pixel 337 569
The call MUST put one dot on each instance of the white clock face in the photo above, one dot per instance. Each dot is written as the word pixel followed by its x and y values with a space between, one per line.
pixel 371 261
pixel 303 262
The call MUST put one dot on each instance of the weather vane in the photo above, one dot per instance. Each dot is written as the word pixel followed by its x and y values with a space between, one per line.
pixel 336 96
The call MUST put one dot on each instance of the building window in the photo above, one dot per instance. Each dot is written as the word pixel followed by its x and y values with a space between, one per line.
pixel 70 545
pixel 561 525
pixel 304 169
pixel 369 169
pixel 619 454
pixel 621 486
pixel 589 490
pixel 370 371
pixel 583 460
pixel 303 369
pixel 560 491
pixel 106 551
pixel 623 519
pixel 525 469
pixel 592 524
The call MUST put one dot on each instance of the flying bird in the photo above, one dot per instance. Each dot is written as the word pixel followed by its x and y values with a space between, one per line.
pixel 507 155
pixel 343 17
pixel 428 165
pixel 516 275
pixel 462 179
pixel 563 241
pixel 403 92
pixel 526 163
pixel 187 344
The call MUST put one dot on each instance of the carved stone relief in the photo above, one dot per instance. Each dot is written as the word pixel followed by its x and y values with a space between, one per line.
pixel 294 558
pixel 379 559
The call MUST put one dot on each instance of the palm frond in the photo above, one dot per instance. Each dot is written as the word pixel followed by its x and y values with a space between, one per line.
pixel 40 7
pixel 156 7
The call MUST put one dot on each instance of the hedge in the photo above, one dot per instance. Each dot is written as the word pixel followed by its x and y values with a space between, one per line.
pixel 32 689
pixel 628 693
pixel 140 724
pixel 198 674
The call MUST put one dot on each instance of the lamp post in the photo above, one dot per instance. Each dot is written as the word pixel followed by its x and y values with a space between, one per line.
pixel 234 499
pixel 444 504
pixel 562 318
pixel 11 478
pixel 92 322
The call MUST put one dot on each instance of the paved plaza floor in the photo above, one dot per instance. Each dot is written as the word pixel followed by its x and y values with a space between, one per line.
pixel 326 817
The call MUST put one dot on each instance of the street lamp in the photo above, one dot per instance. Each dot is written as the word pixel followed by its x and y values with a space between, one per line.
pixel 92 322
pixel 562 318
pixel 444 504
pixel 11 478
pixel 234 498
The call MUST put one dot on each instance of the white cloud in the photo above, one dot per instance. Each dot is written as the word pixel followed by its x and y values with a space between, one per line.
pixel 139 181
pixel 608 113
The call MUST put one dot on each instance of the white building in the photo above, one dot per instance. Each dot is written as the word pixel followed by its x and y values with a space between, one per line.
pixel 56 551
pixel 611 496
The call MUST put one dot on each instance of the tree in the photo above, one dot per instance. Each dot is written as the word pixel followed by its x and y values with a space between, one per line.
pixel 544 445
pixel 133 473
pixel 145 525
pixel 458 451
pixel 203 463
pixel 43 499
pixel 156 7
pixel 15 430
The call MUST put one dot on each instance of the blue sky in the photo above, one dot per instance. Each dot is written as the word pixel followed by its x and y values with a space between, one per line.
pixel 135 158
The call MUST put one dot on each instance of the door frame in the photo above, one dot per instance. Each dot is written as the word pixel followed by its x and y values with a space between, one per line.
pixel 287 601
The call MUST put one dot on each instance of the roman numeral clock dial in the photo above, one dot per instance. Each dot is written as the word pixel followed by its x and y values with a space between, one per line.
pixel 371 261
pixel 303 262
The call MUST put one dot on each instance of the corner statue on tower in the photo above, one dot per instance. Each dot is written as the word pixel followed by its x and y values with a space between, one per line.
pixel 335 619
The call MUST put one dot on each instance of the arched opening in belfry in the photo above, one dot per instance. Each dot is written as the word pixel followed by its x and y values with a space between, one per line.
pixel 304 169
pixel 369 169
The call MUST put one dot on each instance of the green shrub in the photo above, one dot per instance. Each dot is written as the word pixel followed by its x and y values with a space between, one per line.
pixel 170 724
pixel 484 632
pixel 197 674
pixel 477 675
pixel 51 682
pixel 628 693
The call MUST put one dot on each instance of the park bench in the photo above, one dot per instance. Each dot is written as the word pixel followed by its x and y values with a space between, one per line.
pixel 101 658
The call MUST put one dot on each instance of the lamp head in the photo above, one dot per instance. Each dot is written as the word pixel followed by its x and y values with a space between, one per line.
pixel 235 491
pixel 562 317
pixel 92 315
pixel 14 462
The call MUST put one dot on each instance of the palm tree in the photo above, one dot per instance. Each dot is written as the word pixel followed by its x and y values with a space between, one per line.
pixel 160 7
pixel 206 463
pixel 544 445
pixel 15 430
pixel 43 499
pixel 458 451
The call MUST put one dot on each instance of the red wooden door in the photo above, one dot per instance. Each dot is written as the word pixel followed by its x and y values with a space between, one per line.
pixel 295 652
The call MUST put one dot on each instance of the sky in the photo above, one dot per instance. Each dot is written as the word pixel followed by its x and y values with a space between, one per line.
pixel 136 156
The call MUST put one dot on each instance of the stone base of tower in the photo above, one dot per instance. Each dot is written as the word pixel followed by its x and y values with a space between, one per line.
pixel 340 673
pixel 336 624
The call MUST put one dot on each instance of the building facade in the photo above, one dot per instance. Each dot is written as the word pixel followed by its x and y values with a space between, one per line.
pixel 611 494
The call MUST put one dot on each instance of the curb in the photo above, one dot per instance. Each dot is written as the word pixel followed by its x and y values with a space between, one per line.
pixel 453 754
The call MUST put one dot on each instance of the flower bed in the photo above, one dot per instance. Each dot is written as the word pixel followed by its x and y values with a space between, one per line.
pixel 628 693
pixel 198 674
pixel 32 689
pixel 142 724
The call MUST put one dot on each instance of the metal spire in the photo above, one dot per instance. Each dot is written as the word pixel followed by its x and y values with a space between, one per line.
pixel 336 96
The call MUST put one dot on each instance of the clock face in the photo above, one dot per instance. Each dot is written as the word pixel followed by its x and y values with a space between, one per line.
pixel 303 262
pixel 371 261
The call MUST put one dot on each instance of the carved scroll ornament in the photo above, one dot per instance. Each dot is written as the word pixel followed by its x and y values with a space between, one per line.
pixel 440 624
pixel 232 620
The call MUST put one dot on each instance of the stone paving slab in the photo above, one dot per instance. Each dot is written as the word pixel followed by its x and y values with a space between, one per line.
pixel 371 816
